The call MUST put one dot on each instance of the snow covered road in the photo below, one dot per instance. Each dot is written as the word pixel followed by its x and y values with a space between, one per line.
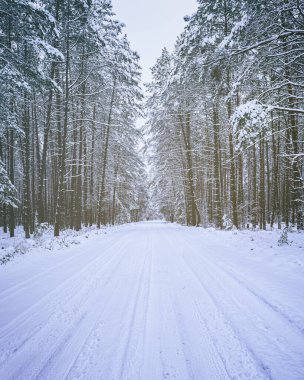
pixel 154 301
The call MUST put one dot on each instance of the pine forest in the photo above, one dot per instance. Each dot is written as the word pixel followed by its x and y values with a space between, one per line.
pixel 222 139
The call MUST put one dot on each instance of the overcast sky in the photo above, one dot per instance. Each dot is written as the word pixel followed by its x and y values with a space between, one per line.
pixel 152 25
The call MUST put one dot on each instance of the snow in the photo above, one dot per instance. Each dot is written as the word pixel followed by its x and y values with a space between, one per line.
pixel 230 40
pixel 153 301
pixel 248 120
pixel 43 239
pixel 49 49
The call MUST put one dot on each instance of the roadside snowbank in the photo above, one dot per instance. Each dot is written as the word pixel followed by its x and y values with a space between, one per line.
pixel 42 241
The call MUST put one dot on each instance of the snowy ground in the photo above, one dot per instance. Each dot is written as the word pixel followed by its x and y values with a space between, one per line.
pixel 43 239
pixel 156 301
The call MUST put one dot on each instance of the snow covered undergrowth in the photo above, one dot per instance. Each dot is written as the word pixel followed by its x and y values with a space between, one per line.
pixel 43 240
pixel 156 301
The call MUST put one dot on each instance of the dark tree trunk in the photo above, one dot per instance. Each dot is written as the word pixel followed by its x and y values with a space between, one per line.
pixel 26 179
pixel 91 191
pixel 233 192
pixel 101 210
pixel 262 185
pixel 60 207
pixel 254 189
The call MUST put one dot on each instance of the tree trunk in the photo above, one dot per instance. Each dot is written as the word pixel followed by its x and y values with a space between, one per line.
pixel 101 211
pixel 60 208
pixel 217 182
pixel 262 185
pixel 26 179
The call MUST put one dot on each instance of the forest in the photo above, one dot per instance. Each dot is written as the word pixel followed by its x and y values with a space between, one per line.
pixel 70 98
pixel 222 141
pixel 151 189
pixel 225 117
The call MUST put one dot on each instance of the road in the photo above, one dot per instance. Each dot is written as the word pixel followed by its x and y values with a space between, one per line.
pixel 151 301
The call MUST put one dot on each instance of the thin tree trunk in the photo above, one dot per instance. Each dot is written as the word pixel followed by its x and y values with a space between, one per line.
pixel 26 179
pixel 216 168
pixel 262 185
pixel 60 208
pixel 254 189
pixel 101 211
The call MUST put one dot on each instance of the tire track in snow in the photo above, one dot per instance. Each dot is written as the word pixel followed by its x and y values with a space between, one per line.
pixel 171 309
pixel 145 357
pixel 174 362
pixel 209 364
pixel 214 364
pixel 125 356
pixel 176 310
pixel 54 330
pixel 253 315
pixel 151 366
pixel 14 290
pixel 65 308
pixel 169 359
pixel 35 308
pixel 239 360
pixel 298 326
pixel 127 350
pixel 70 349
pixel 268 305
pixel 294 324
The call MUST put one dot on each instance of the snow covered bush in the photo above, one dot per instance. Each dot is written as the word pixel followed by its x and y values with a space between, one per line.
pixel 227 223
pixel 41 228
pixel 22 247
pixel 284 237
pixel 11 248
pixel 7 256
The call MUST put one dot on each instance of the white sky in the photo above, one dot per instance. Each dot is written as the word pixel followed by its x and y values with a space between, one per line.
pixel 152 25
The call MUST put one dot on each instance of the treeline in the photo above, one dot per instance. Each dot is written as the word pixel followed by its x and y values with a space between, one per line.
pixel 70 97
pixel 225 116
